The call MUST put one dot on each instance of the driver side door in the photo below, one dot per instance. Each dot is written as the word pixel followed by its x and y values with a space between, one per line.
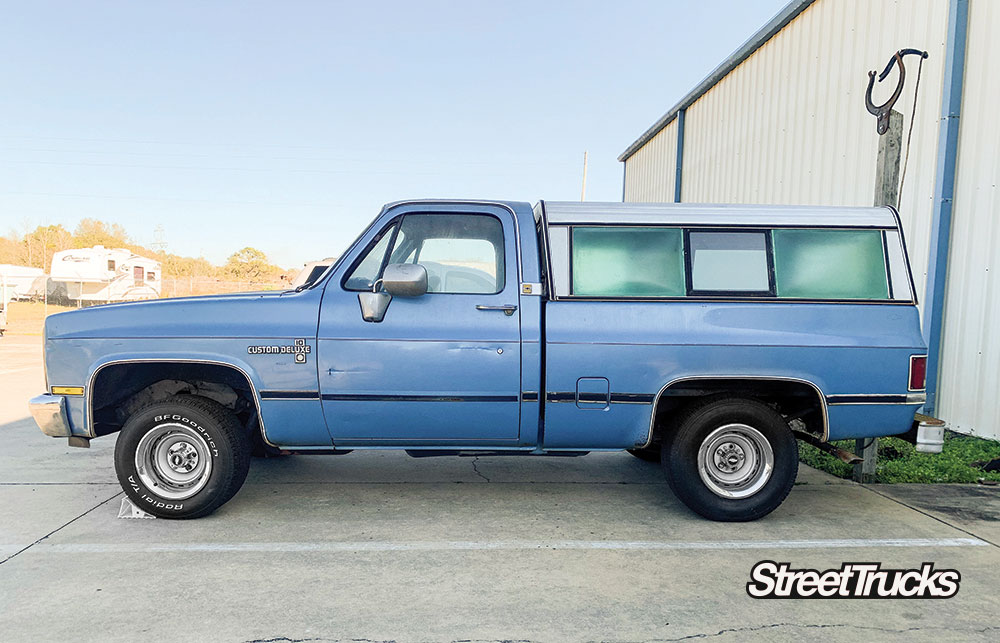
pixel 442 368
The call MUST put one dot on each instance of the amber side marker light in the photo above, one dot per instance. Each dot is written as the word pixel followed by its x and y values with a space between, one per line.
pixel 67 390
pixel 918 372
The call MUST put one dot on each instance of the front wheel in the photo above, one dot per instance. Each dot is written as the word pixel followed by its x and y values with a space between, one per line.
pixel 183 457
pixel 732 459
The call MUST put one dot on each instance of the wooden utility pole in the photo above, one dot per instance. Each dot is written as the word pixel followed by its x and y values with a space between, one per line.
pixel 583 190
pixel 886 193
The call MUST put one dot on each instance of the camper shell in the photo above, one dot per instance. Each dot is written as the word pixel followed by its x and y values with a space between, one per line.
pixel 857 233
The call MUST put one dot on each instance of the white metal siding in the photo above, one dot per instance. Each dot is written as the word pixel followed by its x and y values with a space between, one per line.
pixel 789 126
pixel 969 395
pixel 650 172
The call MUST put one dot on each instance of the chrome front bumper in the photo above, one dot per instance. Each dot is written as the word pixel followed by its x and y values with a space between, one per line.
pixel 49 412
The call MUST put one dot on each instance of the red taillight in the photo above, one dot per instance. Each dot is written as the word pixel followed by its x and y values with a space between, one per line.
pixel 918 372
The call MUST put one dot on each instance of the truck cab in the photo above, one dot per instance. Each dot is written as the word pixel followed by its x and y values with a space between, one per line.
pixel 705 337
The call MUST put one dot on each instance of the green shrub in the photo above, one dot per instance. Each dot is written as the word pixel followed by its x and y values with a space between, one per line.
pixel 898 461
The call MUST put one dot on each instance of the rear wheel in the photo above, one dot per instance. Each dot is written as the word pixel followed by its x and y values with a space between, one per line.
pixel 183 457
pixel 731 459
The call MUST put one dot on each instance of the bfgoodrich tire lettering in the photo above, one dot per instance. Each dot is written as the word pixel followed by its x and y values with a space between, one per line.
pixel 731 459
pixel 182 458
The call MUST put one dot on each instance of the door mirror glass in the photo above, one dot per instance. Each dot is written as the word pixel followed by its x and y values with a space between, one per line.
pixel 405 279
pixel 374 305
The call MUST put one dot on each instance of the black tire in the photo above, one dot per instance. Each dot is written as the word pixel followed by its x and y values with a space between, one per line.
pixel 649 454
pixel 169 432
pixel 733 431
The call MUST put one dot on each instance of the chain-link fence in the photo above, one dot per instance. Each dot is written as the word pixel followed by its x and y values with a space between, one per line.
pixel 187 286
pixel 90 292
pixel 36 297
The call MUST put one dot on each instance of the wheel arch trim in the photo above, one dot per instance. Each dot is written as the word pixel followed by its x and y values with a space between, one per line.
pixel 243 371
pixel 824 411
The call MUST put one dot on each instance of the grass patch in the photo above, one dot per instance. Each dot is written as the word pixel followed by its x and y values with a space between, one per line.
pixel 898 460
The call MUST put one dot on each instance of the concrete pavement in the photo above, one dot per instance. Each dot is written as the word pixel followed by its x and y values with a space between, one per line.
pixel 381 547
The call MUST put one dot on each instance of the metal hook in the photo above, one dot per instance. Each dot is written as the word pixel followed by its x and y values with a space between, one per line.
pixel 881 112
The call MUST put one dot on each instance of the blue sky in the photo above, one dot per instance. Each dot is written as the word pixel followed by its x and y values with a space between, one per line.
pixel 286 125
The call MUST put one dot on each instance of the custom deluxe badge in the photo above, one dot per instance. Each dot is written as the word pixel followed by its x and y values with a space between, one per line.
pixel 299 350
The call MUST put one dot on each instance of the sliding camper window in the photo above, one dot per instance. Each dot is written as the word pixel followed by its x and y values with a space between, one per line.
pixel 830 264
pixel 729 263
pixel 627 262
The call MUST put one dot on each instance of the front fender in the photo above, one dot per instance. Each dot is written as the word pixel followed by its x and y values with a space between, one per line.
pixel 77 362
pixel 153 357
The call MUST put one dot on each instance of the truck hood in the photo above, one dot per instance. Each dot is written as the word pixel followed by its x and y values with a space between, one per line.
pixel 256 314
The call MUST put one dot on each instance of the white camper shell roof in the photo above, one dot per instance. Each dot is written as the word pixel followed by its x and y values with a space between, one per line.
pixel 696 214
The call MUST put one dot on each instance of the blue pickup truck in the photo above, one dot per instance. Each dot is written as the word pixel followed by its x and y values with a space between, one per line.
pixel 705 337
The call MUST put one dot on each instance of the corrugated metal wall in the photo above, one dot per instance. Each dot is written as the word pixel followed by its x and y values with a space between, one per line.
pixel 970 363
pixel 651 177
pixel 789 125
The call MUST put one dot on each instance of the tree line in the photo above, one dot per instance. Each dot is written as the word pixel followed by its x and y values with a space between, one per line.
pixel 35 249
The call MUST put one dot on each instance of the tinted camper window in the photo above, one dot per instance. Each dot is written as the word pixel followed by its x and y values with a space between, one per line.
pixel 627 262
pixel 830 264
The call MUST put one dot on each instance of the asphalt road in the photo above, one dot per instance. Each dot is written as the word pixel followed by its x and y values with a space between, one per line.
pixel 382 547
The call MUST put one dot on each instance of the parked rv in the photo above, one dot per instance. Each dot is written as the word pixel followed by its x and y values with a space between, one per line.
pixel 102 274
pixel 21 282
pixel 312 271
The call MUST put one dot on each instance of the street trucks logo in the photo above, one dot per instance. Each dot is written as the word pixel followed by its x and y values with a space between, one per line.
pixel 300 350
pixel 769 579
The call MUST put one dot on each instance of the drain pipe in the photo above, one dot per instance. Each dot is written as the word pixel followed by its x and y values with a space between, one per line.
pixel 624 178
pixel 944 194
pixel 679 169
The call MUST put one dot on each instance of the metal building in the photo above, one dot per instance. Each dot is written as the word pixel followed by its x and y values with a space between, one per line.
pixel 783 121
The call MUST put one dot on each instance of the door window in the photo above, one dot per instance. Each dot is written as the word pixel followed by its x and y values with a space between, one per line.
pixel 462 253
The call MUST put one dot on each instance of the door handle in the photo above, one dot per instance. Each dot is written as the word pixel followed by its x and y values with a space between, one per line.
pixel 508 309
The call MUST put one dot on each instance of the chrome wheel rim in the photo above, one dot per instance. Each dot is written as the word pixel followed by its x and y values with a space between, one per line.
pixel 735 461
pixel 173 461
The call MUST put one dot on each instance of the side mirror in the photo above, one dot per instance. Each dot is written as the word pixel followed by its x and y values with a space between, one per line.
pixel 405 279
pixel 374 305
pixel 401 279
